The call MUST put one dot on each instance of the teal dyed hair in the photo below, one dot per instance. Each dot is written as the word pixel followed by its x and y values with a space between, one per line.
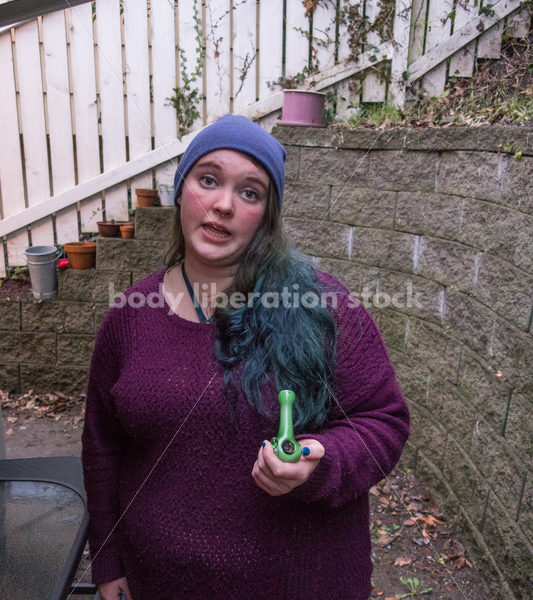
pixel 297 345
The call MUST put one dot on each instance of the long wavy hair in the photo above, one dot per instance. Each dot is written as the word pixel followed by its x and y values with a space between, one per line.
pixel 296 345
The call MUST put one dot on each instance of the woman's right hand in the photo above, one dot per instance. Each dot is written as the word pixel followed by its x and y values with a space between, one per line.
pixel 111 590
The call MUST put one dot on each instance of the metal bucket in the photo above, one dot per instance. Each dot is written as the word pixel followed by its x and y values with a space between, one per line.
pixel 42 262
pixel 166 194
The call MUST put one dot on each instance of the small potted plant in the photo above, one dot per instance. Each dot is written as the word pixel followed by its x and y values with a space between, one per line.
pixel 303 108
pixel 127 229
pixel 109 228
pixel 146 196
pixel 81 255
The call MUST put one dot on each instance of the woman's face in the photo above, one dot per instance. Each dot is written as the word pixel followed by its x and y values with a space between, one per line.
pixel 224 190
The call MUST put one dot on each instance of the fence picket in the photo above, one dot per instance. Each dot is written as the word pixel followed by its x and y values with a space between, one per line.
pixel 296 45
pixel 324 36
pixel 2 260
pixel 490 42
pixel 59 120
pixel 11 174
pixel 517 24
pixel 163 79
pixel 139 129
pixel 462 62
pixel 347 99
pixel 85 108
pixel 190 44
pixel 110 77
pixel 217 60
pixel 416 36
pixel 32 123
pixel 435 80
pixel 399 62
pixel 244 55
pixel 373 89
pixel 270 46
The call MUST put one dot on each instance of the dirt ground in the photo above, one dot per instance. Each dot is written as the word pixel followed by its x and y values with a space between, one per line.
pixel 417 550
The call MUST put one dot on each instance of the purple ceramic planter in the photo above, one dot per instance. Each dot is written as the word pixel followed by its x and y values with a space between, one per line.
pixel 304 108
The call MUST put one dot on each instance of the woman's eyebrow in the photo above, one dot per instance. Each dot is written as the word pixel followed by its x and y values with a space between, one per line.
pixel 257 180
pixel 209 163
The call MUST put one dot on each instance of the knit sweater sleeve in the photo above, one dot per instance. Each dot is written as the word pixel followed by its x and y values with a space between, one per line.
pixel 368 422
pixel 101 448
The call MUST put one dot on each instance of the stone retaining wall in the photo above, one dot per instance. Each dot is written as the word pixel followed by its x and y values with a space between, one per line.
pixel 441 218
pixel 446 214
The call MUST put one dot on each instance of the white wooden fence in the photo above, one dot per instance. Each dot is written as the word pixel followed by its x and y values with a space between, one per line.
pixel 85 112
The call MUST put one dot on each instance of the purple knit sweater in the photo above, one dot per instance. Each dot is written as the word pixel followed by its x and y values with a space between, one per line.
pixel 172 502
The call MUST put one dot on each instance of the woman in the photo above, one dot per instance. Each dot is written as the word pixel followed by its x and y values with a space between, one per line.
pixel 186 496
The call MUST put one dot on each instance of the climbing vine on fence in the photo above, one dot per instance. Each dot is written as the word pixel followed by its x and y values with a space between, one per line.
pixel 186 98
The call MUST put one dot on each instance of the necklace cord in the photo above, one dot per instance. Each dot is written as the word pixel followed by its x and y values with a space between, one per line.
pixel 197 306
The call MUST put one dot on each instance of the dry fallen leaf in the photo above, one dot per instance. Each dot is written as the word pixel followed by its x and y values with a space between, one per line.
pixel 430 520
pixel 420 541
pixel 402 562
pixel 385 488
pixel 461 562
pixel 453 549
pixel 386 541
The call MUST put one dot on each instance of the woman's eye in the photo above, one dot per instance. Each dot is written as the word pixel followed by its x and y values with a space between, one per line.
pixel 207 179
pixel 253 195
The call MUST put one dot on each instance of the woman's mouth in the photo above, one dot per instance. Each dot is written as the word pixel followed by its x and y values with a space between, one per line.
pixel 217 233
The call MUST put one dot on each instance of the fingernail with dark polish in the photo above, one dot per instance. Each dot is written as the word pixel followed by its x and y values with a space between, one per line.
pixel 264 444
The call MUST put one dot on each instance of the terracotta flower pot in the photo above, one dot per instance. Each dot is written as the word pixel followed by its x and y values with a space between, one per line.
pixel 81 255
pixel 126 230
pixel 146 196
pixel 304 108
pixel 109 229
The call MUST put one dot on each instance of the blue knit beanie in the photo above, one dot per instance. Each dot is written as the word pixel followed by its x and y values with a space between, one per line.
pixel 235 132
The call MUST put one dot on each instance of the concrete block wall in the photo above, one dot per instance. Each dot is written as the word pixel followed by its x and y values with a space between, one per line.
pixel 433 229
pixel 449 215
pixel 47 345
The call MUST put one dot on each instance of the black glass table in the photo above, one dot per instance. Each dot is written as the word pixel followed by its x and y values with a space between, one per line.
pixel 43 528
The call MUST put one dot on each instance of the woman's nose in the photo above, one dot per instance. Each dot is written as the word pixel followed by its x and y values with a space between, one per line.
pixel 224 200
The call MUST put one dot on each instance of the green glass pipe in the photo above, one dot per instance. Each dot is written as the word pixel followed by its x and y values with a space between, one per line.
pixel 286 448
